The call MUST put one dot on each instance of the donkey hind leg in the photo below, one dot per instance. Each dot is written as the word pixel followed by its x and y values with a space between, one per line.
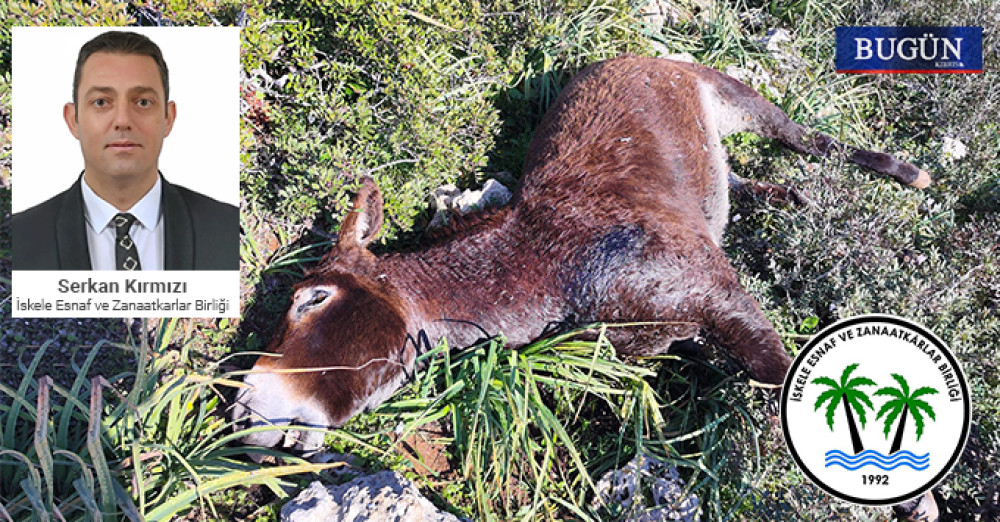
pixel 805 140
pixel 735 322
pixel 744 110
pixel 770 192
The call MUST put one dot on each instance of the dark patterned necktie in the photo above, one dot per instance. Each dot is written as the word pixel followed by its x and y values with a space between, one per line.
pixel 126 254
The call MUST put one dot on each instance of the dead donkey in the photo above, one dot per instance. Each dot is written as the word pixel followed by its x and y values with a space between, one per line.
pixel 618 218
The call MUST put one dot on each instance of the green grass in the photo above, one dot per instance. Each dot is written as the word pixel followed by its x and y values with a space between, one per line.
pixel 533 429
pixel 145 444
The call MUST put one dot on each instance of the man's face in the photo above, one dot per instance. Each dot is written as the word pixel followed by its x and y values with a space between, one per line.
pixel 121 118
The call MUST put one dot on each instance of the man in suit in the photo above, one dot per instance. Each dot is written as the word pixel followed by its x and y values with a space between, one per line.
pixel 122 214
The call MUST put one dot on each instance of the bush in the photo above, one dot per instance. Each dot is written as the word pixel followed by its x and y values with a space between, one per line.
pixel 407 95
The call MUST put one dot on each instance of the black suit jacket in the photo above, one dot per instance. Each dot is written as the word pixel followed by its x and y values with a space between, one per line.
pixel 199 233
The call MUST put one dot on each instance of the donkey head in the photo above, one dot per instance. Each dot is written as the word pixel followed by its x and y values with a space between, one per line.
pixel 341 347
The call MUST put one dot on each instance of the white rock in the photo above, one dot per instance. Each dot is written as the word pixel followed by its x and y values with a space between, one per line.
pixel 469 201
pixel 777 42
pixel 776 39
pixel 757 78
pixel 441 219
pixel 386 496
pixel 681 57
pixel 954 149
pixel 625 488
pixel 447 199
pixel 316 497
pixel 445 195
pixel 660 13
pixel 494 194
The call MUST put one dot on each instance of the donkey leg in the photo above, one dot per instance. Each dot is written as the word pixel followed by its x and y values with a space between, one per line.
pixel 769 192
pixel 734 320
pixel 742 109
pixel 700 288
pixel 804 140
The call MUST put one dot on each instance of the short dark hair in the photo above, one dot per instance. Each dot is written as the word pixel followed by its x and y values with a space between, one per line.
pixel 121 42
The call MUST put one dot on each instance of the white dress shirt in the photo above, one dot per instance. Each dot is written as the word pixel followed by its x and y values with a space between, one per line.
pixel 146 232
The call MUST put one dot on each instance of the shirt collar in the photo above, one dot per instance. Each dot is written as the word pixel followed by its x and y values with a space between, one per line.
pixel 99 212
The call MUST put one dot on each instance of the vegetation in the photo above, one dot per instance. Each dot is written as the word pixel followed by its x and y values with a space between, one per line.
pixel 140 445
pixel 422 93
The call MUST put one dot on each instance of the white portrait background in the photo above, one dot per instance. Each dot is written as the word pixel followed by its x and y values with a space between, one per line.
pixel 202 152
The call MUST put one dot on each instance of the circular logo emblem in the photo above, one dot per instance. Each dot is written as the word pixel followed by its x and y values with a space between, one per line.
pixel 875 410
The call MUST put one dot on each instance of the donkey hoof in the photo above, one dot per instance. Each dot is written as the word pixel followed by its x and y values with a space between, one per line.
pixel 923 180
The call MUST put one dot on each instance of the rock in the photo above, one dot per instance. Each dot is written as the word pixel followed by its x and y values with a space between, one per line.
pixel 757 77
pixel 448 200
pixel 624 491
pixel 444 195
pixel 440 220
pixel 383 497
pixel 493 195
pixel 681 57
pixel 953 149
pixel 659 14
pixel 778 43
pixel 776 39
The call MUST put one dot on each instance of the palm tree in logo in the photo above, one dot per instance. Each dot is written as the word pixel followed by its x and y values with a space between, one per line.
pixel 902 401
pixel 847 392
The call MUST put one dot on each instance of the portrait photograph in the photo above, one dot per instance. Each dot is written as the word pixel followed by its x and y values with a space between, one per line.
pixel 133 128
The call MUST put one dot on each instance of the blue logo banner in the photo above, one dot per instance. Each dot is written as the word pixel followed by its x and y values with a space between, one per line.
pixel 872 50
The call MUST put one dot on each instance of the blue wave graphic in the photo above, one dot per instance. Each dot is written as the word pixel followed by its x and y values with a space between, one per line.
pixel 874 458
pixel 876 455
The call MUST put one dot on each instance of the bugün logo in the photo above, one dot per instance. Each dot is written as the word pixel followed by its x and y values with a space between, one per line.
pixel 866 50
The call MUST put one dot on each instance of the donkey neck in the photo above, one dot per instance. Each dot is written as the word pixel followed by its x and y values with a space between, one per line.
pixel 482 282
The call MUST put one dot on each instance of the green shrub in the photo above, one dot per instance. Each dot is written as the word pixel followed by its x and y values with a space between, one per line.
pixel 99 12
pixel 408 95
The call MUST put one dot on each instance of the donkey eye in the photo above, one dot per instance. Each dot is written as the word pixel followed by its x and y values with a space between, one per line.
pixel 310 298
pixel 307 299
pixel 318 297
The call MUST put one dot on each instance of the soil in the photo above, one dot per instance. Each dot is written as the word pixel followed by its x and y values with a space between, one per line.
pixel 427 451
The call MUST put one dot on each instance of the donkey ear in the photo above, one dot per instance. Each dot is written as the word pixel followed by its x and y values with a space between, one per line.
pixel 364 221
